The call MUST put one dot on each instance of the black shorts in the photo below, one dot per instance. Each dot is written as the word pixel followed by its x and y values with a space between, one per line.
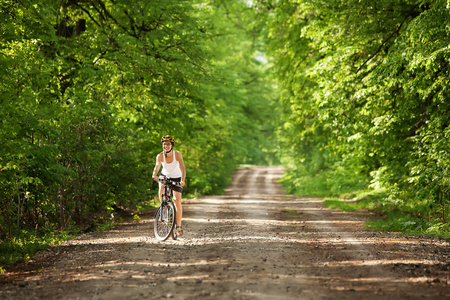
pixel 177 188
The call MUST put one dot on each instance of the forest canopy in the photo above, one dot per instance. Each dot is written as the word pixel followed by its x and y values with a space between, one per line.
pixel 348 95
pixel 89 88
pixel 364 99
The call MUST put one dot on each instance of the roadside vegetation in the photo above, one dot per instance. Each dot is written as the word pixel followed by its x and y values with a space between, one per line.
pixel 365 106
pixel 412 220
pixel 89 87
pixel 350 96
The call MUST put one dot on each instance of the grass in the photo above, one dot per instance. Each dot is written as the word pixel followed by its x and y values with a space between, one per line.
pixel 342 205
pixel 410 225
pixel 25 244
pixel 408 220
pixel 21 248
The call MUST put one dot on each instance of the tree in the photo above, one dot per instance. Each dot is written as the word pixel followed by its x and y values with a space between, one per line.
pixel 91 86
pixel 364 94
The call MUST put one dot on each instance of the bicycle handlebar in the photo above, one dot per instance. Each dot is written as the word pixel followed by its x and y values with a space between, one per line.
pixel 164 179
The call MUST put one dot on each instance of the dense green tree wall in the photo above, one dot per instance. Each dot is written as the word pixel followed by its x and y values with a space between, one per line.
pixel 89 87
pixel 364 87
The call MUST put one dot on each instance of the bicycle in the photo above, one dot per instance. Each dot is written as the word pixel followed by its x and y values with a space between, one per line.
pixel 166 214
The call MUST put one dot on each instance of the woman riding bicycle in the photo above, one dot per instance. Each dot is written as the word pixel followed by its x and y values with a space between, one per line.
pixel 173 167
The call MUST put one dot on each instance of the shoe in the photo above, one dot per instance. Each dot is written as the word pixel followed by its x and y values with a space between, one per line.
pixel 179 231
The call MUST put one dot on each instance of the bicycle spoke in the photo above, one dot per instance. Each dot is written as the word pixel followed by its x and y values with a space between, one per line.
pixel 164 221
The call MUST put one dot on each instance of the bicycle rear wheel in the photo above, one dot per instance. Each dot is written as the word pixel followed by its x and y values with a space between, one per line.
pixel 165 221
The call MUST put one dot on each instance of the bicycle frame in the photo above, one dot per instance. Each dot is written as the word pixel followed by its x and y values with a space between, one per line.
pixel 168 184
pixel 166 214
pixel 168 192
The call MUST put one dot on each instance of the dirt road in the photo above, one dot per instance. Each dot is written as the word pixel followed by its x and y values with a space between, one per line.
pixel 254 242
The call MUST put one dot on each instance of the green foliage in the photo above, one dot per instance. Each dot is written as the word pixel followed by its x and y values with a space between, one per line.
pixel 364 100
pixel 88 89
pixel 23 246
pixel 410 225
pixel 342 205
pixel 414 220
pixel 368 199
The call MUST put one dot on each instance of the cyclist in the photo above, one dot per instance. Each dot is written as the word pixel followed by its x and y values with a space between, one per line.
pixel 173 168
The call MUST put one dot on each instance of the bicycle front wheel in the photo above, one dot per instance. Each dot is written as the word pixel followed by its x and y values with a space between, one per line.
pixel 165 221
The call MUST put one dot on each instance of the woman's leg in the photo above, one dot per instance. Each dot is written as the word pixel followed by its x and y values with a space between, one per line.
pixel 177 200
pixel 161 191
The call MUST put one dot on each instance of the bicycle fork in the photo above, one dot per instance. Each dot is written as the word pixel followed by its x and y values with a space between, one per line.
pixel 164 211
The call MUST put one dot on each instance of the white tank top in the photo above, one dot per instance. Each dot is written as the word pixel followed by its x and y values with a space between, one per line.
pixel 173 169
